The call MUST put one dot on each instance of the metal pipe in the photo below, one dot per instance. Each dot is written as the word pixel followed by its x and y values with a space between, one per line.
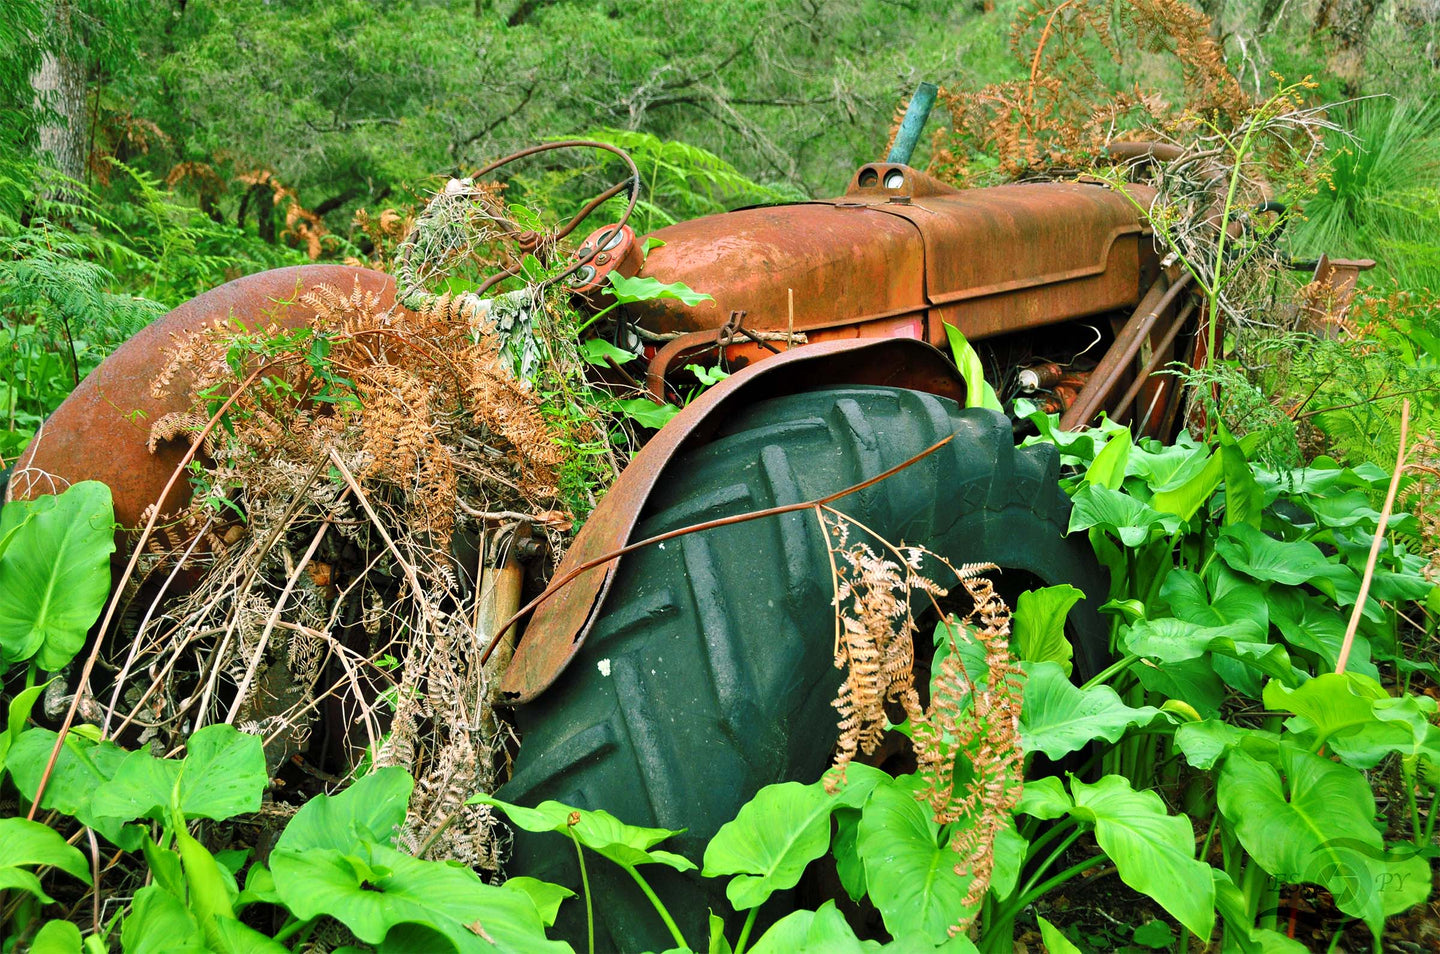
pixel 1123 351
pixel 1155 360
pixel 913 124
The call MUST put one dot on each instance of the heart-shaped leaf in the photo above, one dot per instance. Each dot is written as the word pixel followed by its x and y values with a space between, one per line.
pixel 1314 824
pixel 639 288
pixel 444 899
pixel 909 866
pixel 1153 851
pixel 1126 517
pixel 370 810
pixel 159 923
pixel 80 769
pixel 1262 557
pixel 56 937
pixel 778 833
pixel 546 896
pixel 1170 640
pixel 824 931
pixel 600 831
pixel 1229 600
pixel 54 573
pixel 1355 717
pixel 1206 743
pixel 25 843
pixel 1059 718
pixel 1108 468
pixel 222 775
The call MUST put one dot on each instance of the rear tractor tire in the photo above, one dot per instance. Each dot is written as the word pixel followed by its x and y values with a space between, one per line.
pixel 709 673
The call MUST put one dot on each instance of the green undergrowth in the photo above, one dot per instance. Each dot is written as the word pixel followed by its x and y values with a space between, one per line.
pixel 1221 766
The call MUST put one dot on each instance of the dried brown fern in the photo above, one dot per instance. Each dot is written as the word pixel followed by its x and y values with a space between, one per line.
pixel 969 718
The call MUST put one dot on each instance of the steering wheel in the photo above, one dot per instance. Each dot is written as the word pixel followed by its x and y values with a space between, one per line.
pixel 592 248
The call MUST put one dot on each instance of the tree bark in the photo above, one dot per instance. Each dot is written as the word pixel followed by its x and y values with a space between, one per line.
pixel 59 85
pixel 1348 22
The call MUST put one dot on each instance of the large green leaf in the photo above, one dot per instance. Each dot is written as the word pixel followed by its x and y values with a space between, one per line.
pixel 545 896
pixel 910 868
pixel 1128 518
pixel 1039 624
pixel 824 931
pixel 372 889
pixel 159 923
pixel 1108 468
pixel 80 769
pixel 369 810
pixel 56 937
pixel 1230 599
pixel 1194 682
pixel 1153 851
pixel 978 392
pixel 1058 718
pixel 1312 623
pixel 1354 716
pixel 1045 798
pixel 600 831
pixel 1167 466
pixel 18 715
pixel 1262 557
pixel 776 835
pixel 1054 941
pixel 1244 498
pixel 222 775
pixel 1315 824
pixel 628 290
pixel 1205 743
pixel 1183 501
pixel 55 573
pixel 25 843
pixel 1170 640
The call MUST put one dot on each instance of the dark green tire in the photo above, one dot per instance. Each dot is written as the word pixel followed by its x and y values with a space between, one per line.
pixel 709 673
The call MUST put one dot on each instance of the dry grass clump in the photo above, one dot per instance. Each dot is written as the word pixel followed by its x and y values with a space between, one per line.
pixel 371 481
pixel 967 738
pixel 1066 109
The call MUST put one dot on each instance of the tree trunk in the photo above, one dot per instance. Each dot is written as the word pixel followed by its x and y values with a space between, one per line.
pixel 59 84
pixel 1349 24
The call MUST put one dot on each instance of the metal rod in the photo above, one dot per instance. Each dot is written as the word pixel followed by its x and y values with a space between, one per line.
pixel 913 124
pixel 1123 351
pixel 1155 360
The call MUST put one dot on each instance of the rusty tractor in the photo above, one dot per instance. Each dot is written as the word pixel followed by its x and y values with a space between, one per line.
pixel 670 685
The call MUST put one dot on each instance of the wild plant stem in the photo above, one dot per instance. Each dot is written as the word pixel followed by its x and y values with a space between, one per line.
pixel 1385 512
pixel 1039 892
pixel 1114 669
pixel 291 927
pixel 745 930
pixel 1044 866
pixel 659 908
pixel 585 886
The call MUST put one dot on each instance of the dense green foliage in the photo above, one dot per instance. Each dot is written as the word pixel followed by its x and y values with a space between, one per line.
pixel 1222 766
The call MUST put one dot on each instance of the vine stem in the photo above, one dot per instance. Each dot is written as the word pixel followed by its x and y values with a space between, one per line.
pixel 745 931
pixel 660 908
pixel 1385 511
pixel 585 885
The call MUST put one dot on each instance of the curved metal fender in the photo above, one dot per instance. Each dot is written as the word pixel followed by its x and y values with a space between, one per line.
pixel 101 429
pixel 558 627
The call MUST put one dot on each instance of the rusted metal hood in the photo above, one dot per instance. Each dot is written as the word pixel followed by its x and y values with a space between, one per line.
pixel 989 260
pixel 100 431
pixel 559 626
